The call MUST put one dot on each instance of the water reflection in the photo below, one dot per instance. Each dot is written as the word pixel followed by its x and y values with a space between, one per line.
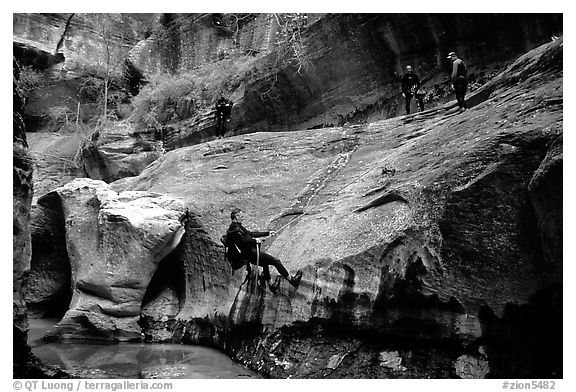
pixel 133 360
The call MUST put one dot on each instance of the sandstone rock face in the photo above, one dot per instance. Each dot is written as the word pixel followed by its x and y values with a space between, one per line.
pixel 111 154
pixel 77 37
pixel 69 49
pixel 30 55
pixel 431 245
pixel 114 243
pixel 25 364
pixel 22 190
pixel 55 162
pixel 357 80
pixel 175 45
pixel 545 191
pixel 22 199
pixel 201 128
pixel 422 237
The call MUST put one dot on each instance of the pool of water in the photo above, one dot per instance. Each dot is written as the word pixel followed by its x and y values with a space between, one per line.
pixel 133 360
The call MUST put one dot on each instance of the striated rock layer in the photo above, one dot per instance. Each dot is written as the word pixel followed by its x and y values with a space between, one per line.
pixel 117 152
pixel 348 67
pixel 24 363
pixel 77 39
pixel 431 245
pixel 358 79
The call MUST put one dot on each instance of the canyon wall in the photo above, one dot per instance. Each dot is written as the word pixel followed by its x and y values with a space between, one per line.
pixel 427 243
pixel 22 190
pixel 357 79
pixel 81 40
pixel 430 245
pixel 352 63
pixel 24 363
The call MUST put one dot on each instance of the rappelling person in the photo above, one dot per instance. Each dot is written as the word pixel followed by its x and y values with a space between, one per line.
pixel 459 79
pixel 243 247
pixel 223 110
pixel 411 87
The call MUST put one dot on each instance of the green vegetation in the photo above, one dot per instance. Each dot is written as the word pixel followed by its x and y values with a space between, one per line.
pixel 168 98
pixel 100 88
pixel 30 80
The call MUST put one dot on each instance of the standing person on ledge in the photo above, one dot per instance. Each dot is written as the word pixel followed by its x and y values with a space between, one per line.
pixel 411 87
pixel 459 79
pixel 223 111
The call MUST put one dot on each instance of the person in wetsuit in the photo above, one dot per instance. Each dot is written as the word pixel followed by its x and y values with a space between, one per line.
pixel 459 79
pixel 223 110
pixel 246 241
pixel 410 87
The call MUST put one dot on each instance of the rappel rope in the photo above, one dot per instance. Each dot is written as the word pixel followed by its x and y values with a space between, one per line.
pixel 247 266
pixel 316 194
pixel 257 260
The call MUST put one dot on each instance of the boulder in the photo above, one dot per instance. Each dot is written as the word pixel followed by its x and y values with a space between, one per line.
pixel 468 366
pixel 114 243
pixel 392 360
pixel 113 153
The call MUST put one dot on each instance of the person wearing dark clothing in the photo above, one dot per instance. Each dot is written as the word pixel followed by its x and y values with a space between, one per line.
pixel 410 87
pixel 246 242
pixel 459 79
pixel 223 110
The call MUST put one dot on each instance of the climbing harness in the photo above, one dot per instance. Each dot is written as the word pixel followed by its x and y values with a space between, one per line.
pixel 246 263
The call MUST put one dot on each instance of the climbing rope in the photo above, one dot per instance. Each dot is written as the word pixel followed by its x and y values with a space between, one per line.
pixel 316 194
pixel 257 260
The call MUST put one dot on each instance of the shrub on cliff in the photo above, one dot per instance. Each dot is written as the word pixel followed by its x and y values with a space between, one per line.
pixel 161 100
pixel 29 80
pixel 157 102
